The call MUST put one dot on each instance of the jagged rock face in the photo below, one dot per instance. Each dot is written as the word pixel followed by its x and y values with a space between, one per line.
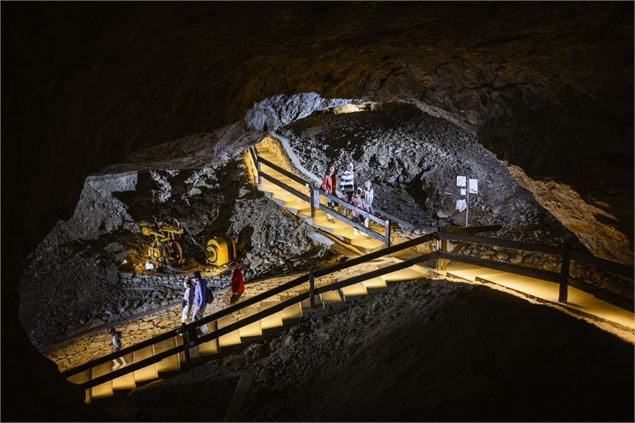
pixel 413 160
pixel 76 278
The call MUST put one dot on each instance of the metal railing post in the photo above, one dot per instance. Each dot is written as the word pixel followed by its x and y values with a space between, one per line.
pixel 437 245
pixel 386 233
pixel 564 275
pixel 258 168
pixel 311 289
pixel 186 342
pixel 312 189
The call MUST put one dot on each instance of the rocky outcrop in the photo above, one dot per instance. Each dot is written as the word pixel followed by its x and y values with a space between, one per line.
pixel 280 110
pixel 413 160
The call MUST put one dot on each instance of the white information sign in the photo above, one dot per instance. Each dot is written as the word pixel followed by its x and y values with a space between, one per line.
pixel 462 191
pixel 460 181
pixel 461 205
pixel 473 187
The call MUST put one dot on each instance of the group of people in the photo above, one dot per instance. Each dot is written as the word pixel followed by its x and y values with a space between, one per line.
pixel 197 294
pixel 196 297
pixel 360 197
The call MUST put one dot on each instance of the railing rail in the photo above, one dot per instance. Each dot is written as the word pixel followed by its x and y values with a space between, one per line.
pixel 563 277
pixel 251 301
pixel 438 253
pixel 285 186
pixel 457 234
pixel 315 198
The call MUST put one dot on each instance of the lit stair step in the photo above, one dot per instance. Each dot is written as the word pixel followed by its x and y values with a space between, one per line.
pixel 81 377
pixel 288 196
pixel 273 321
pixel 331 298
pixel 292 312
pixel 252 330
pixel 469 272
pixel 146 373
pixel 375 285
pixel 403 275
pixel 105 389
pixel 232 338
pixel 300 209
pixel 209 347
pixel 125 382
pixel 171 363
pixel 306 304
pixel 353 291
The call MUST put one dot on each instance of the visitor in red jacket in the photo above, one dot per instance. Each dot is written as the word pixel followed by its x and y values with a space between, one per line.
pixel 328 186
pixel 238 283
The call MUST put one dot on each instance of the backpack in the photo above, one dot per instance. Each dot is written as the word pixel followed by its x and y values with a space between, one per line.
pixel 209 297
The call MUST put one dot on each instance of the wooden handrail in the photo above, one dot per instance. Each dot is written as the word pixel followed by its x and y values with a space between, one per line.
pixel 256 317
pixel 248 302
pixel 285 172
pixel 469 229
pixel 352 223
pixel 350 206
pixel 501 243
pixel 286 187
pixel 617 268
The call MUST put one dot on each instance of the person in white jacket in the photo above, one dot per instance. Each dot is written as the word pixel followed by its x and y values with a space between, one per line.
pixel 188 300
pixel 368 197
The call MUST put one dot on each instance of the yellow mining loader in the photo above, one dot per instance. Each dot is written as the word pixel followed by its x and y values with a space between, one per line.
pixel 220 251
pixel 165 248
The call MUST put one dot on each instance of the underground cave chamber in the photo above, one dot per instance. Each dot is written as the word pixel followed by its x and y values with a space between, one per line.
pixel 141 228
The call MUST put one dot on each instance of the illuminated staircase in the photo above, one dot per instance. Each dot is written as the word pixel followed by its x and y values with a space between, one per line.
pixel 255 331
pixel 271 151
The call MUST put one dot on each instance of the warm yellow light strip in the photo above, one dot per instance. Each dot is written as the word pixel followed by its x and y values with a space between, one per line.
pixel 250 167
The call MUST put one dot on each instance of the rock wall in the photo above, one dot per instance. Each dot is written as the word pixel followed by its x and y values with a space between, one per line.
pixel 77 278
pixel 412 160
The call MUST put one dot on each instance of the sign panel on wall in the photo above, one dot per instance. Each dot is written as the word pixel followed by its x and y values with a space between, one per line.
pixel 473 187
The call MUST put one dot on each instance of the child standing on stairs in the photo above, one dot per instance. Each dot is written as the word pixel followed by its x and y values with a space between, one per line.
pixel 188 300
pixel 357 201
pixel 116 346
pixel 369 195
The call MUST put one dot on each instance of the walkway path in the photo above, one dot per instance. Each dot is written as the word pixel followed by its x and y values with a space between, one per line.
pixel 88 347
pixel 579 303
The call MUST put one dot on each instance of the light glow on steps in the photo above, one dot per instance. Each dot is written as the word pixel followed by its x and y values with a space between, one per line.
pixel 579 303
pixel 269 149
pixel 255 330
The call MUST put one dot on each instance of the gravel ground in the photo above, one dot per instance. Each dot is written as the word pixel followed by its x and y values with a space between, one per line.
pixel 423 351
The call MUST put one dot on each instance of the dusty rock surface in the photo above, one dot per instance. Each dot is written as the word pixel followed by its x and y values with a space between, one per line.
pixel 413 159
pixel 426 351
pixel 80 277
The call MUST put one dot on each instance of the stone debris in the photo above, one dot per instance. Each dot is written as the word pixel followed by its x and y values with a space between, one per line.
pixel 413 160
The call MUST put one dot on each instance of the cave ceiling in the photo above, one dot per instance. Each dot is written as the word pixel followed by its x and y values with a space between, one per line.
pixel 546 87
